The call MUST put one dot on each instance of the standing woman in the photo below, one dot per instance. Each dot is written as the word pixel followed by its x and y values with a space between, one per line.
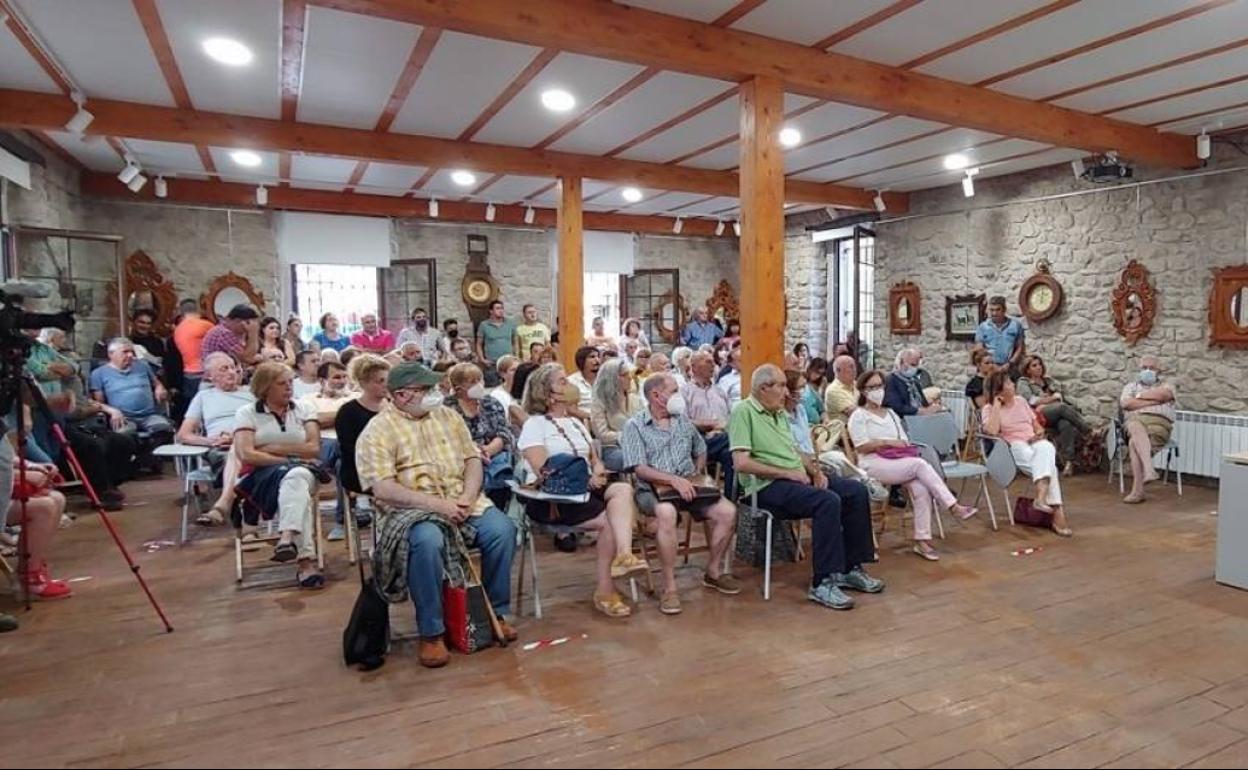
pixel 328 337
pixel 1045 398
pixel 294 334
pixel 273 345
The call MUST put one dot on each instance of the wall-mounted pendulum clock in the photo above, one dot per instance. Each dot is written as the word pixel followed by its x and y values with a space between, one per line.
pixel 1041 295
pixel 479 288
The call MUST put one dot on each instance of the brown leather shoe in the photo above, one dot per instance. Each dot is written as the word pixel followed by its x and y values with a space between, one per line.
pixel 509 632
pixel 433 653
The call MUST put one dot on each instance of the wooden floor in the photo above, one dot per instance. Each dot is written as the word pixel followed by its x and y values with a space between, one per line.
pixel 1115 648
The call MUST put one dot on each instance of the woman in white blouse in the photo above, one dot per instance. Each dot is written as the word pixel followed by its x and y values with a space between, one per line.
pixel 550 431
pixel 874 428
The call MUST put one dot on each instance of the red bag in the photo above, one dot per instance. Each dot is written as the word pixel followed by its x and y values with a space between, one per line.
pixel 1025 513
pixel 467 620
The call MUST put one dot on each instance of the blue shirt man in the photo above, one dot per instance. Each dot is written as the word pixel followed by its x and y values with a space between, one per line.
pixel 129 392
pixel 699 331
pixel 1000 335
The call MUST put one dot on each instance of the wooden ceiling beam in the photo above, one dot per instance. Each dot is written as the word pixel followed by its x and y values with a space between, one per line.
pixel 27 109
pixel 626 33
pixel 235 195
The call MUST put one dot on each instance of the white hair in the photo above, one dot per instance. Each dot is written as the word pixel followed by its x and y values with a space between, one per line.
pixel 901 354
pixel 117 343
pixel 47 333
pixel 682 357
pixel 767 374
pixel 215 357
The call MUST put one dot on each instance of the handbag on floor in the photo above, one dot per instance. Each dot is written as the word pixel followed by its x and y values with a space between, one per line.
pixel 1025 513
pixel 466 617
pixel 366 638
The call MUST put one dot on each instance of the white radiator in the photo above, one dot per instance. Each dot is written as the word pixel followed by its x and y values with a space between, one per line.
pixel 1203 438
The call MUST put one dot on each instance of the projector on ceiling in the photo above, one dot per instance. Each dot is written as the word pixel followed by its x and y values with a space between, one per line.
pixel 1106 169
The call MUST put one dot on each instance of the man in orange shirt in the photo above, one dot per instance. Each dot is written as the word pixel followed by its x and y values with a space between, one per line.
pixel 188 338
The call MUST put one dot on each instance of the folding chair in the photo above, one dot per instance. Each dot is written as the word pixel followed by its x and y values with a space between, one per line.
pixel 939 432
pixel 1116 446
pixel 1001 467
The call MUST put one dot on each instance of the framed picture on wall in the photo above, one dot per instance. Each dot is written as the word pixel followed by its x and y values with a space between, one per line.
pixel 963 314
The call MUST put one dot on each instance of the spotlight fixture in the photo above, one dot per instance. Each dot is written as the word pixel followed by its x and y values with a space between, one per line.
pixel 160 187
pixel 631 194
pixel 719 227
pixel 1204 146
pixel 246 158
pixel 137 183
pixel 558 100
pixel 956 162
pixel 228 51
pixel 790 137
pixel 736 227
pixel 678 225
pixel 433 207
pixel 529 215
pixel 490 211
pixel 81 119
pixel 1078 168
pixel 463 178
pixel 262 195
pixel 880 205
pixel 129 172
pixel 968 182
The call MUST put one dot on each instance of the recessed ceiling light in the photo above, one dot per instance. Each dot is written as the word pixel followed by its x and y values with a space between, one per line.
pixel 790 137
pixel 228 51
pixel 246 158
pixel 956 162
pixel 464 178
pixel 558 100
pixel 631 194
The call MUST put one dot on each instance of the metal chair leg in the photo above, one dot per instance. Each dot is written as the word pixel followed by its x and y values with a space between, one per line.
pixel 767 563
pixel 537 590
pixel 992 514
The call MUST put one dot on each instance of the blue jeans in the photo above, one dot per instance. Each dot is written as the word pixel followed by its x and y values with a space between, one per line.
pixel 496 537
pixel 718 451
pixel 840 521
pixel 330 457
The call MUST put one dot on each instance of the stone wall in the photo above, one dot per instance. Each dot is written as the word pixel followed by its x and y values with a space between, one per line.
pixel 53 198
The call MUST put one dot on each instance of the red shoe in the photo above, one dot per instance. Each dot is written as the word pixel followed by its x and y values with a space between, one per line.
pixel 44 588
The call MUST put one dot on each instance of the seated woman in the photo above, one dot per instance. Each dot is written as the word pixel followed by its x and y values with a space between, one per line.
pixel 884 453
pixel 984 367
pixel 614 402
pixel 812 396
pixel 44 508
pixel 487 422
pixel 631 330
pixel 329 338
pixel 274 346
pixel 276 439
pixel 609 509
pixel 1008 416
pixel 1043 396
pixel 369 372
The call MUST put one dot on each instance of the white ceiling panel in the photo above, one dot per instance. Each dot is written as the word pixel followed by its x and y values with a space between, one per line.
pixel 463 75
pixel 589 188
pixel 1201 32
pixel 510 189
pixel 710 206
pixel 1069 28
pixel 650 197
pixel 390 178
pixel 959 140
pixel 232 172
pixel 700 130
pixel 18 69
pixel 663 96
pixel 254 89
pixel 806 21
pixel 830 118
pixel 351 64
pixel 663 204
pixel 728 156
pixel 524 121
pixel 326 186
pixel 930 26
pixel 93 152
pixel 854 142
pixel 1168 81
pixel 166 156
pixel 925 174
pixel 102 45
pixel 318 168
pixel 699 10
pixel 1173 109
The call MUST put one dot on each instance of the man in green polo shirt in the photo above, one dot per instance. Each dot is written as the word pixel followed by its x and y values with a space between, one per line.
pixel 494 336
pixel 767 462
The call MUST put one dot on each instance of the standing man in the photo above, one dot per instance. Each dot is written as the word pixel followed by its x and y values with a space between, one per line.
pixel 494 336
pixel 450 333
pixel 1002 336
pixel 530 332
pixel 188 340
pixel 237 334
pixel 372 338
pixel 426 337
pixel 699 331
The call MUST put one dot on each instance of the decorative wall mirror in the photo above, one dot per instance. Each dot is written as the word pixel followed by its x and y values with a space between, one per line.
pixel 963 315
pixel 1134 303
pixel 1228 307
pixel 904 315
pixel 670 315
pixel 722 303
pixel 146 289
pixel 225 292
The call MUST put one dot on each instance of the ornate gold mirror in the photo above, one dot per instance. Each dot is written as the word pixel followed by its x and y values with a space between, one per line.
pixel 1228 307
pixel 225 292
pixel 904 309
pixel 146 289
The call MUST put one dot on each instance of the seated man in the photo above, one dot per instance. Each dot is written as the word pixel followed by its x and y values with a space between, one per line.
pixel 130 393
pixel 902 390
pixel 1148 405
pixel 767 461
pixel 210 421
pixel 707 407
pixel 419 462
pixel 840 398
pixel 665 450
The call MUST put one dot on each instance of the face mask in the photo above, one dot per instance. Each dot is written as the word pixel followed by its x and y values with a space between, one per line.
pixel 676 405
pixel 422 325
pixel 432 400
pixel 571 394
pixel 463 355
pixel 476 392
pixel 907 371
pixel 1148 377
pixel 453 333
pixel 876 396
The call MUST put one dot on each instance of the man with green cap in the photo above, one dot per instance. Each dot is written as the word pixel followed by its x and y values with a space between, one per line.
pixel 419 462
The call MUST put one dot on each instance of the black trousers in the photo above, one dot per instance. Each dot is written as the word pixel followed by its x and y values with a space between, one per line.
pixel 840 521
pixel 106 456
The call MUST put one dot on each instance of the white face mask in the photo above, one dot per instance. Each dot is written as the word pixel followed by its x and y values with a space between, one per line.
pixel 875 396
pixel 676 404
pixel 476 392
pixel 432 400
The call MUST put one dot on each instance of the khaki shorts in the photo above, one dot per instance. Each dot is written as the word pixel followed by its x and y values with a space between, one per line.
pixel 1158 429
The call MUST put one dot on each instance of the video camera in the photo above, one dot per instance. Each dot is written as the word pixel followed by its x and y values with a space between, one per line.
pixel 13 319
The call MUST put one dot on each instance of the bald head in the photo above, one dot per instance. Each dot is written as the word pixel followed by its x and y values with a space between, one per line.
pixel 846 369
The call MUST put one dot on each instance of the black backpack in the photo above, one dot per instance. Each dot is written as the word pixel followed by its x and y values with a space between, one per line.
pixel 366 638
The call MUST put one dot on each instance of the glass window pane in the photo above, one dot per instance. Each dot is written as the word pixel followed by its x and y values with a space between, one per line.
pixel 660 282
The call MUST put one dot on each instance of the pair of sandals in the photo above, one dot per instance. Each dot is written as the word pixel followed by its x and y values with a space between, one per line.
pixel 1059 531
pixel 311 580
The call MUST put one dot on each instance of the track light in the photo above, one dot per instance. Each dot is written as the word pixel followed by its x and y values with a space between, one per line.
pixel 137 183
pixel 129 172
pixel 968 182
pixel 529 215
pixel 1204 146
pixel 160 187
pixel 736 228
pixel 678 225
pixel 490 211
pixel 1077 166
pixel 433 207
pixel 719 227
pixel 81 119
pixel 262 195
pixel 880 205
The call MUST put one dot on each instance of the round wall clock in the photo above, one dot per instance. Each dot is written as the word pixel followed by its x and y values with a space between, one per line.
pixel 1041 295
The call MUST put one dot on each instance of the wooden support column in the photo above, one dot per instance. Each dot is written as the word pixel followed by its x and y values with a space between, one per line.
pixel 762 226
pixel 571 271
